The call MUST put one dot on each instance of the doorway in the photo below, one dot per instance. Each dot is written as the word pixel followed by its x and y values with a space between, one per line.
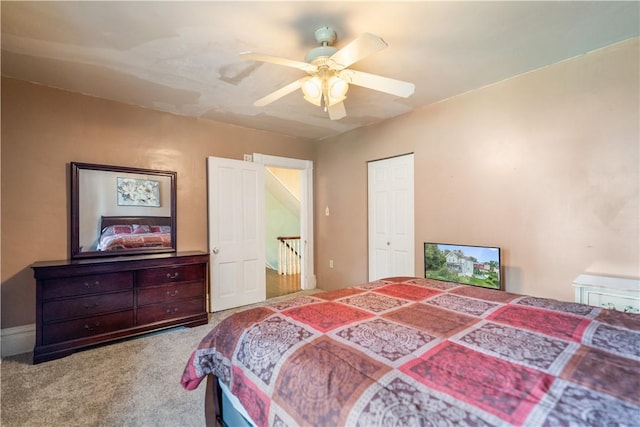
pixel 236 216
pixel 294 245
pixel 282 227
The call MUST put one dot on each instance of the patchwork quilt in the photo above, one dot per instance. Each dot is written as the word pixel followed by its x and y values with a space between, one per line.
pixel 411 351
pixel 130 241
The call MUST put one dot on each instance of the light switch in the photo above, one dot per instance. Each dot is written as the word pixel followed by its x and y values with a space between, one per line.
pixel 326 211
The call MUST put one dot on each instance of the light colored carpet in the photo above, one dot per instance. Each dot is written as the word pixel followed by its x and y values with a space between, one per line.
pixel 129 383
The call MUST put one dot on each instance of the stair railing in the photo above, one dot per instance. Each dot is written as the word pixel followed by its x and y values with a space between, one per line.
pixel 289 255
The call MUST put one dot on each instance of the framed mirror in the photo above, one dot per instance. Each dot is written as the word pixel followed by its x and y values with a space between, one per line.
pixel 121 211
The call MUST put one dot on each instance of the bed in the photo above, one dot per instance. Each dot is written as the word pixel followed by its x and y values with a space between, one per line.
pixel 128 232
pixel 412 351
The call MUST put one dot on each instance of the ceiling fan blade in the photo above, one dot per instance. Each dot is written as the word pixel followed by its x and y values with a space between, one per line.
pixel 358 49
pixel 274 96
pixel 304 66
pixel 337 111
pixel 379 83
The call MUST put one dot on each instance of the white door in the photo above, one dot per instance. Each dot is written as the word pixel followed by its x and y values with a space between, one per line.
pixel 391 217
pixel 236 233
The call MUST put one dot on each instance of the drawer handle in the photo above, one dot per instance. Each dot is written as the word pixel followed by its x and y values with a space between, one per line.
pixel 88 285
pixel 88 307
pixel 170 310
pixel 92 328
pixel 173 275
pixel 172 294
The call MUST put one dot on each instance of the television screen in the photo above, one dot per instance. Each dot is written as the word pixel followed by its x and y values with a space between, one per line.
pixel 468 265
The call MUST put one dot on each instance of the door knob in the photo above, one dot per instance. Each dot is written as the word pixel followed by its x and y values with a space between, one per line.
pixel 215 251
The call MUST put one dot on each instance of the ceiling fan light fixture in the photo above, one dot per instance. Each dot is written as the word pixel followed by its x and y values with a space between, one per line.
pixel 329 76
pixel 312 89
pixel 337 88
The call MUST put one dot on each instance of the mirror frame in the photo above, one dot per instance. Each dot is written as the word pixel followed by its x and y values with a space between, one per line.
pixel 76 168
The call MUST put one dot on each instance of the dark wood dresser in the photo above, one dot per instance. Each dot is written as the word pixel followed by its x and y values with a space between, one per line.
pixel 85 302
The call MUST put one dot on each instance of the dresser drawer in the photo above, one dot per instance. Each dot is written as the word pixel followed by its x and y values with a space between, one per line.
pixel 86 306
pixel 619 302
pixel 160 276
pixel 87 327
pixel 615 293
pixel 170 310
pixel 169 293
pixel 83 285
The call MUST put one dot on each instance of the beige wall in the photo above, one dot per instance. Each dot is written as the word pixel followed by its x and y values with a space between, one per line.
pixel 44 129
pixel 544 165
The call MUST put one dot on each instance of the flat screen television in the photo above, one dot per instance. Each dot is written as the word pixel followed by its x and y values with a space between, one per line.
pixel 464 264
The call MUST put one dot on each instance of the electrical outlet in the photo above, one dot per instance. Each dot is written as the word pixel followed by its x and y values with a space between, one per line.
pixel 330 263
pixel 248 158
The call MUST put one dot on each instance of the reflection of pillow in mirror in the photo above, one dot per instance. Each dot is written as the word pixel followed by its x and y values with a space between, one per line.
pixel 140 229
pixel 116 229
pixel 155 229
pixel 165 228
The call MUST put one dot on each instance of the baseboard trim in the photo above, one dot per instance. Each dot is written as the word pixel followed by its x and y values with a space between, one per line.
pixel 310 283
pixel 17 340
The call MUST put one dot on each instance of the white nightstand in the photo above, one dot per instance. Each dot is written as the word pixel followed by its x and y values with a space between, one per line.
pixel 608 292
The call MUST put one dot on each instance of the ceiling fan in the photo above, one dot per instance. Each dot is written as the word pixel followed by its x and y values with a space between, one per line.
pixel 329 78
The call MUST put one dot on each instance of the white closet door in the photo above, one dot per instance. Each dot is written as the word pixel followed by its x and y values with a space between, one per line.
pixel 391 217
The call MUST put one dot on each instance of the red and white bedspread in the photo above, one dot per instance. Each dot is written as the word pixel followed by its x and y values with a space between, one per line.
pixel 409 351
pixel 130 241
pixel 132 236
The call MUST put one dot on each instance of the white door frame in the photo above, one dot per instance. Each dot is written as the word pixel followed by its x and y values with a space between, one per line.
pixel 306 210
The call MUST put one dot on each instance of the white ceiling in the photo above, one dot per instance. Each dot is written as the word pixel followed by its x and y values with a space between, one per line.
pixel 182 57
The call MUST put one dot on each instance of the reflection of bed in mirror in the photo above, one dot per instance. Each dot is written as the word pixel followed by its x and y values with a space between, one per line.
pixel 134 232
pixel 95 198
